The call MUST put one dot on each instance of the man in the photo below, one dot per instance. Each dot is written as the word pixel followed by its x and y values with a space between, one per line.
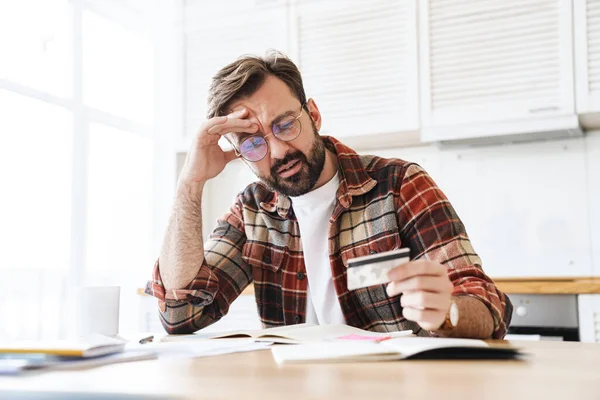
pixel 317 204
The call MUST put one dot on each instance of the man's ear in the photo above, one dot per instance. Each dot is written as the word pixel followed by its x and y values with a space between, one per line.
pixel 314 113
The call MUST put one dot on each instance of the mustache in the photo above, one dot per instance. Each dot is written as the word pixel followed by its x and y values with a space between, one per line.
pixel 289 157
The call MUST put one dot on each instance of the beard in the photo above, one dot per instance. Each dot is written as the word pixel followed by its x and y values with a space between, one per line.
pixel 305 179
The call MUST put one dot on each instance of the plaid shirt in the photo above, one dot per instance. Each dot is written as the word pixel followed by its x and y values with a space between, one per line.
pixel 382 204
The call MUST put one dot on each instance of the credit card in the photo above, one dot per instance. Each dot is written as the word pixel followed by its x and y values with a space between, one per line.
pixel 372 269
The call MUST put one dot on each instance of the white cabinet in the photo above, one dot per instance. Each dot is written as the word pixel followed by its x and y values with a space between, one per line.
pixel 216 35
pixel 393 71
pixel 589 317
pixel 359 62
pixel 587 55
pixel 496 67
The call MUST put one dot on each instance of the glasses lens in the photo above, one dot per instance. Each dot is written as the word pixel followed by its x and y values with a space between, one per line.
pixel 287 130
pixel 254 148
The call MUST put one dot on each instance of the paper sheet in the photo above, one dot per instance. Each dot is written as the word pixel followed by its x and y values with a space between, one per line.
pixel 201 348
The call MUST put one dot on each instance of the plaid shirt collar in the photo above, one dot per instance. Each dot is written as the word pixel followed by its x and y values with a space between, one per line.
pixel 354 181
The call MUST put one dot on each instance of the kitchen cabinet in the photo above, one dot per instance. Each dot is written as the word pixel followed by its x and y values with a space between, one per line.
pixel 587 59
pixel 496 68
pixel 359 62
pixel 589 317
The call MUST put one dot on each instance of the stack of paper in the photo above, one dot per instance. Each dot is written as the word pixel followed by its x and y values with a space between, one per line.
pixel 91 346
pixel 95 350
pixel 200 348
pixel 393 349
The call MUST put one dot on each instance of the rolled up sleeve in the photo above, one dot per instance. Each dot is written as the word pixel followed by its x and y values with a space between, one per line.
pixel 432 229
pixel 221 278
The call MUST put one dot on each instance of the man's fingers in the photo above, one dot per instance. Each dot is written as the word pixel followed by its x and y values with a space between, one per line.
pixel 427 319
pixel 221 131
pixel 416 268
pixel 218 121
pixel 230 123
pixel 212 122
pixel 425 300
pixel 238 113
pixel 425 283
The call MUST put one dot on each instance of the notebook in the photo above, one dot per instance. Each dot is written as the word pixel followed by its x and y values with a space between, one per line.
pixel 23 363
pixel 301 333
pixel 393 349
pixel 91 346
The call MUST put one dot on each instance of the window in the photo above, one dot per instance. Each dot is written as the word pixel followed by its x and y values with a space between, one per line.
pixel 35 210
pixel 119 212
pixel 76 158
pixel 35 170
pixel 117 69
pixel 35 46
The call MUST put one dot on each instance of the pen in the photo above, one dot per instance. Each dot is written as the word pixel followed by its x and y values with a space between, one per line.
pixel 147 339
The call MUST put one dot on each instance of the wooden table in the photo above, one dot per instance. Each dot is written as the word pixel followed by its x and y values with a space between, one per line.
pixel 556 285
pixel 552 371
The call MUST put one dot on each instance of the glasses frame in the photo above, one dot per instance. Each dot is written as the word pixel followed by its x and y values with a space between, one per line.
pixel 239 154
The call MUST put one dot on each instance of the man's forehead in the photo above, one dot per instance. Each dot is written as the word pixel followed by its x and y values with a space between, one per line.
pixel 271 99
pixel 268 111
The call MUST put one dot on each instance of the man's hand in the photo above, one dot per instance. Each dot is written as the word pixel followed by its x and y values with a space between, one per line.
pixel 182 252
pixel 206 159
pixel 426 292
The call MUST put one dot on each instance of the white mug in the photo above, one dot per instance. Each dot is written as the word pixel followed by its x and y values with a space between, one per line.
pixel 98 310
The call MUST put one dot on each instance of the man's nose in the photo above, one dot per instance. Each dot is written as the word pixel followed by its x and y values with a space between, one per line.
pixel 278 148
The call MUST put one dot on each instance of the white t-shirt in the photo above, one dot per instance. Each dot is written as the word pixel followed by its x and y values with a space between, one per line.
pixel 313 211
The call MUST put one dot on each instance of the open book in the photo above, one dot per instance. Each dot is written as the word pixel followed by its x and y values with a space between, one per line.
pixel 91 346
pixel 301 333
pixel 393 349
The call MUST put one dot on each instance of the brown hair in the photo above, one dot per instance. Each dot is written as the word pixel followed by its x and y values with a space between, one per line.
pixel 245 76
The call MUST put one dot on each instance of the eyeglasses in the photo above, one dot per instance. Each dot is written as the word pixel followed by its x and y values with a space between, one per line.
pixel 255 148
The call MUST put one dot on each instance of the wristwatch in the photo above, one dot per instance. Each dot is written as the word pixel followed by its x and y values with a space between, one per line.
pixel 451 317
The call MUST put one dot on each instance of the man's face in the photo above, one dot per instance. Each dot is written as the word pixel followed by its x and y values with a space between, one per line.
pixel 290 168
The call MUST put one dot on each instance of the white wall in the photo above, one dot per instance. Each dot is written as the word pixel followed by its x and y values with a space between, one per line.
pixel 525 206
pixel 593 169
pixel 531 209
